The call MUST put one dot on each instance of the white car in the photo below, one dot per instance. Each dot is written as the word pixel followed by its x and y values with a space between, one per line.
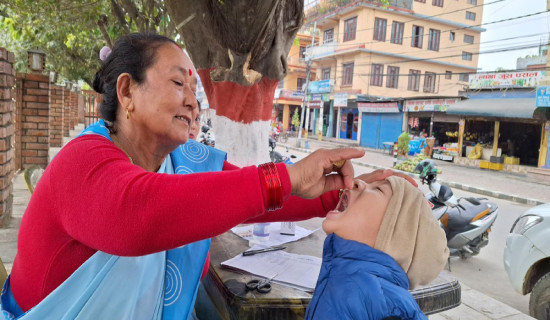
pixel 527 258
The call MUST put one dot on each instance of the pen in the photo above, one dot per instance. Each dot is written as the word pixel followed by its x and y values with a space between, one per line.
pixel 253 252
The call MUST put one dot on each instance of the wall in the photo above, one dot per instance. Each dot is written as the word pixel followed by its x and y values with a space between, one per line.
pixel 7 107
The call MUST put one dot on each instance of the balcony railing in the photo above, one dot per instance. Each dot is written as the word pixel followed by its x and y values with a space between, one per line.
pixel 316 9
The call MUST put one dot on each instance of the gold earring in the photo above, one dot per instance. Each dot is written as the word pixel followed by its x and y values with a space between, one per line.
pixel 127 114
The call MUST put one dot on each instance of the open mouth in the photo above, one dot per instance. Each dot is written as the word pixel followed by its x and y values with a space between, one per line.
pixel 344 201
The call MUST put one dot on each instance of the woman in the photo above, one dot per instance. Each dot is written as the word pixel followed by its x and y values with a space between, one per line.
pixel 101 202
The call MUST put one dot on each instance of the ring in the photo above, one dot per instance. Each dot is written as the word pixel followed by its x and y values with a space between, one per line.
pixel 338 165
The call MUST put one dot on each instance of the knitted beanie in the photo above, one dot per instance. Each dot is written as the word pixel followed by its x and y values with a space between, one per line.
pixel 410 234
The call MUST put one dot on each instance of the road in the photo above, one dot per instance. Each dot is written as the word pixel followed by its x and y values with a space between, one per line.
pixel 484 272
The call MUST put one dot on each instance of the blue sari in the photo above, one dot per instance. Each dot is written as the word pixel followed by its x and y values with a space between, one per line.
pixel 159 286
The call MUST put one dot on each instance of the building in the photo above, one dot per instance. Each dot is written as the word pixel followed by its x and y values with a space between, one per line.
pixel 289 94
pixel 381 57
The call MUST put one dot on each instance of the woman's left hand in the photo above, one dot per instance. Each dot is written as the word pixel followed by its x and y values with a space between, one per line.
pixel 381 174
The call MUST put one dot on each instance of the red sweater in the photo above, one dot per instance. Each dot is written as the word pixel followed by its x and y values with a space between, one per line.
pixel 92 198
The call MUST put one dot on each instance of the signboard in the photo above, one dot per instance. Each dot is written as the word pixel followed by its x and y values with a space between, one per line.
pixel 524 79
pixel 543 96
pixel 429 104
pixel 321 86
pixel 318 96
pixel 288 94
pixel 340 100
pixel 375 107
pixel 315 104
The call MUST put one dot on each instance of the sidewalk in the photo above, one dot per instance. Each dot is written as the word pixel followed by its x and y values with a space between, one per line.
pixel 521 188
pixel 475 305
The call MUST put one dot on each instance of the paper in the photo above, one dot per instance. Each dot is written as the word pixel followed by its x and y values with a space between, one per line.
pixel 275 238
pixel 295 270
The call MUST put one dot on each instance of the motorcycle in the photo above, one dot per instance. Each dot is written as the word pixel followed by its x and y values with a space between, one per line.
pixel 206 136
pixel 275 156
pixel 466 221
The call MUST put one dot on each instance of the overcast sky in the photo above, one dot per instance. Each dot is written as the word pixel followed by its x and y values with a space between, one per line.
pixel 531 30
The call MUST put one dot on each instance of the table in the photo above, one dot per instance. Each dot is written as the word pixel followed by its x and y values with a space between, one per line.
pixel 388 146
pixel 227 291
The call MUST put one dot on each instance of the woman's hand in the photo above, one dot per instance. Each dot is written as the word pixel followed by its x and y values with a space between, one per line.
pixel 310 177
pixel 381 174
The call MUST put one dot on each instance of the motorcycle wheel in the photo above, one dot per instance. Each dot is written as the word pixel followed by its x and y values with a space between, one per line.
pixel 539 302
pixel 284 138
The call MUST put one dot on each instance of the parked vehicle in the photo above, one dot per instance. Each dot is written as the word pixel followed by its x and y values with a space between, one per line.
pixel 527 258
pixel 275 156
pixel 466 221
pixel 206 136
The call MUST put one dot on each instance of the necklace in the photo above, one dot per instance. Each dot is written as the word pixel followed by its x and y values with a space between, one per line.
pixel 120 147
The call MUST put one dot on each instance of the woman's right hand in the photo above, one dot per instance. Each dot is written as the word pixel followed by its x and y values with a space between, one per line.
pixel 313 175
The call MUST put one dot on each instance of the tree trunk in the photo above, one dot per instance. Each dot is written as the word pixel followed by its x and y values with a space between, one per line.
pixel 239 48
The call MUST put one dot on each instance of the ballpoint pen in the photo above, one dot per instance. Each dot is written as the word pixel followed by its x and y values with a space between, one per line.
pixel 253 252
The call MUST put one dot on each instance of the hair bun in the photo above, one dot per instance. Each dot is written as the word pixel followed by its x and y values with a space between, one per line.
pixel 98 83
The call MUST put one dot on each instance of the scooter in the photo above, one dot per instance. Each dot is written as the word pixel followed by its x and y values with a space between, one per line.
pixel 275 156
pixel 467 221
pixel 206 136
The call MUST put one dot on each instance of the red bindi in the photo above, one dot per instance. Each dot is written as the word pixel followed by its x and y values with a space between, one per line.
pixel 190 72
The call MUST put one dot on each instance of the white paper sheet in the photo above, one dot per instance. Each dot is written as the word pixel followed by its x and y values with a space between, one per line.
pixel 275 238
pixel 295 270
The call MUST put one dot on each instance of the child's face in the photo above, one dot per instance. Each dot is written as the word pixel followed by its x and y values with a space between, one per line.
pixel 359 213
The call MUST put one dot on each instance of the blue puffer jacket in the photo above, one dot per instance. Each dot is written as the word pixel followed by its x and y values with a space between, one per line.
pixel 359 282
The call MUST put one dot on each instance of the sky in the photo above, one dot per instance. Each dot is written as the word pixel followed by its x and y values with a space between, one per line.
pixel 529 31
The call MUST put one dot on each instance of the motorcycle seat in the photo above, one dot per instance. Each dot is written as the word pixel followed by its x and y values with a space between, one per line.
pixel 459 217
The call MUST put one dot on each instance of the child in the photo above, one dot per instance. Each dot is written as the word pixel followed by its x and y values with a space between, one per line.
pixel 382 240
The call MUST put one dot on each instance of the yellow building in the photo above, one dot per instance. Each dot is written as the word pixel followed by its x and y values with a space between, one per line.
pixel 413 49
pixel 289 94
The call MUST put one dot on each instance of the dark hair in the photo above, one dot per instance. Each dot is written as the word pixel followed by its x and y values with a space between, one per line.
pixel 133 54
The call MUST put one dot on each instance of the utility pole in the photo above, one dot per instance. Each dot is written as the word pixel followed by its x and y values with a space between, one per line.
pixel 308 71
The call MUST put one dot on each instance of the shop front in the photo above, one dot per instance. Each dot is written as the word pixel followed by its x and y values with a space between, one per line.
pixel 427 118
pixel 285 103
pixel 505 125
pixel 380 122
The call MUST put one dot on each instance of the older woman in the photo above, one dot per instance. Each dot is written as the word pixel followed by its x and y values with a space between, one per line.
pixel 104 227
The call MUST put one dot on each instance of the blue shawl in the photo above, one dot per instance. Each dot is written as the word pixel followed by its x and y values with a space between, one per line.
pixel 162 285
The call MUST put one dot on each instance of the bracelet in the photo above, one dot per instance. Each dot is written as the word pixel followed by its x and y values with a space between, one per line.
pixel 273 186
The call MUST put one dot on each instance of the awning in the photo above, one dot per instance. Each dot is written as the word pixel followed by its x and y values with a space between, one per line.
pixel 501 108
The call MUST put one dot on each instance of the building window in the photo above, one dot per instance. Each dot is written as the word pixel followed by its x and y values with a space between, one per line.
pixel 448 75
pixel 380 29
pixel 438 3
pixel 326 73
pixel 423 1
pixel 414 80
pixel 416 40
pixel 300 84
pixel 470 16
pixel 393 77
pixel 328 35
pixel 302 54
pixel 350 27
pixel 397 32
pixel 452 36
pixel 464 77
pixel 466 56
pixel 377 77
pixel 433 41
pixel 468 39
pixel 429 82
pixel 347 78
pixel 281 84
pixel 474 2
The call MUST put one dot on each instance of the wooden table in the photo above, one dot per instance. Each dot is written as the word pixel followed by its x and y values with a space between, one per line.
pixel 227 288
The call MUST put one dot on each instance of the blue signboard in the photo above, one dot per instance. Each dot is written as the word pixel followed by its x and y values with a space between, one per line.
pixel 543 96
pixel 321 86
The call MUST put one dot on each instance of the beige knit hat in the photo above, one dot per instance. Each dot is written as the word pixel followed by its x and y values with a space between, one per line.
pixel 411 235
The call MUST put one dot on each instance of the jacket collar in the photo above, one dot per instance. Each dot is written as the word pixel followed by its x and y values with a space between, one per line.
pixel 374 261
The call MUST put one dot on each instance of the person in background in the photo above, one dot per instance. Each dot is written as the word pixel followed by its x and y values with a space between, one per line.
pixel 115 219
pixel 382 241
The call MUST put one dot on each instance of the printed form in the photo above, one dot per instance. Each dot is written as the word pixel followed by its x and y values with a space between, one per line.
pixel 294 270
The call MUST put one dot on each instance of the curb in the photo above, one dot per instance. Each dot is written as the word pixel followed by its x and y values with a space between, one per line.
pixel 481 191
